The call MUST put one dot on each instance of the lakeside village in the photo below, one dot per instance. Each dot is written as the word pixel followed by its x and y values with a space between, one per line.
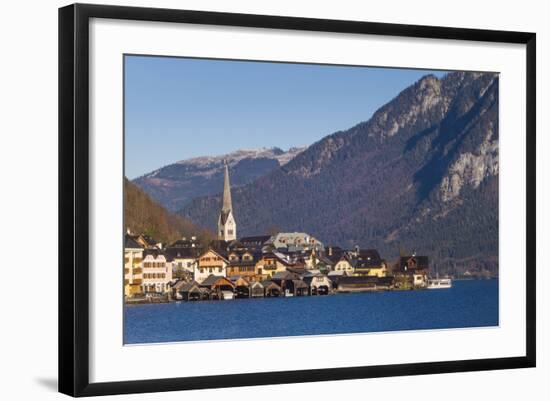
pixel 283 264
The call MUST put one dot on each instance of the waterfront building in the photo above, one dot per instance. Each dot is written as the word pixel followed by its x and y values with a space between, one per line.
pixel 412 271
pixel 257 289
pixel 243 263
pixel 242 287
pixel 157 272
pixel 319 284
pixel 227 226
pixel 219 287
pixel 290 283
pixel 271 289
pixel 133 275
pixel 363 283
pixel 190 291
pixel 209 263
pixel 270 264
pixel 369 263
pixel 341 260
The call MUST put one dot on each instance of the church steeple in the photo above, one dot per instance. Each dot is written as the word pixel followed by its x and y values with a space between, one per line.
pixel 226 207
pixel 227 227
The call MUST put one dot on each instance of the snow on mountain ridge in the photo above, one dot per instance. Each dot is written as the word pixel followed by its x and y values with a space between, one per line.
pixel 234 157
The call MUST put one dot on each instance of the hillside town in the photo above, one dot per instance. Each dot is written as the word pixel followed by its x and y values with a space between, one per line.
pixel 280 264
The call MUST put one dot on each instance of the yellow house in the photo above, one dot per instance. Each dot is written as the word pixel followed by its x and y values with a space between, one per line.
pixel 133 273
pixel 269 264
pixel 343 264
pixel 379 271
pixel 369 263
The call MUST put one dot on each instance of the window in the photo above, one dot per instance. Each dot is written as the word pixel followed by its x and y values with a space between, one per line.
pixel 230 232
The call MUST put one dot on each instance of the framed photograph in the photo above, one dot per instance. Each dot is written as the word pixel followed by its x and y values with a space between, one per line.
pixel 251 199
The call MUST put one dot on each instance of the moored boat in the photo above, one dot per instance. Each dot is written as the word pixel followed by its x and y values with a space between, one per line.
pixel 439 283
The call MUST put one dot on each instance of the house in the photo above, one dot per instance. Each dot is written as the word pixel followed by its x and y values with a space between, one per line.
pixel 257 242
pixel 183 258
pixel 133 272
pixel 369 263
pixel 414 263
pixel 270 264
pixel 157 272
pixel 242 263
pixel 144 240
pixel 412 271
pixel 324 263
pixel 341 260
pixel 209 263
pixel 318 283
pixel 292 241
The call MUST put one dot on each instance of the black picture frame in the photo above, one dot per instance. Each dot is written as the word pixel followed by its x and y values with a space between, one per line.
pixel 74 198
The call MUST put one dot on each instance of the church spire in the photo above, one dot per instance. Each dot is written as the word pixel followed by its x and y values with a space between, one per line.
pixel 227 227
pixel 226 190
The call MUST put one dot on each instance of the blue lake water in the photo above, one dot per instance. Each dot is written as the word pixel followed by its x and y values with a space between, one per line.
pixel 467 304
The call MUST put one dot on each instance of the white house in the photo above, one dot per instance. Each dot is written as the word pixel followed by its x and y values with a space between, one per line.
pixel 157 272
pixel 210 263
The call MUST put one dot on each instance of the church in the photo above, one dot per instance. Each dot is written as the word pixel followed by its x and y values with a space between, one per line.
pixel 227 227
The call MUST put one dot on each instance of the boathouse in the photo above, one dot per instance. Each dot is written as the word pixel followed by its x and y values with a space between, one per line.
pixel 363 283
pixel 318 284
pixel 291 283
pixel 242 287
pixel 257 290
pixel 271 289
pixel 218 286
pixel 189 291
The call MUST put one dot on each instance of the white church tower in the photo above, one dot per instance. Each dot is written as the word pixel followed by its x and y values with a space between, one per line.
pixel 227 227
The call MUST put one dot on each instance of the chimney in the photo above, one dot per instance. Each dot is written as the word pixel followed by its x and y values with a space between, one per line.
pixel 329 251
pixel 356 250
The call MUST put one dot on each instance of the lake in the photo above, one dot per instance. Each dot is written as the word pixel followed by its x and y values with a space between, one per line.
pixel 472 303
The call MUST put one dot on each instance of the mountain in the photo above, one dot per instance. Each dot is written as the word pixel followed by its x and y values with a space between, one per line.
pixel 175 185
pixel 420 175
pixel 143 215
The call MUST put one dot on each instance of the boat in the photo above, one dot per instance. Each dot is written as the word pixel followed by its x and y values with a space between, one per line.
pixel 227 295
pixel 437 283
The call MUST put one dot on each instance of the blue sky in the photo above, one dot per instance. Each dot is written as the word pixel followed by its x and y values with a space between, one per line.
pixel 177 108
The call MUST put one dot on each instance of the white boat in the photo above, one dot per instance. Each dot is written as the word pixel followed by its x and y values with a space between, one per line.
pixel 227 295
pixel 437 283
